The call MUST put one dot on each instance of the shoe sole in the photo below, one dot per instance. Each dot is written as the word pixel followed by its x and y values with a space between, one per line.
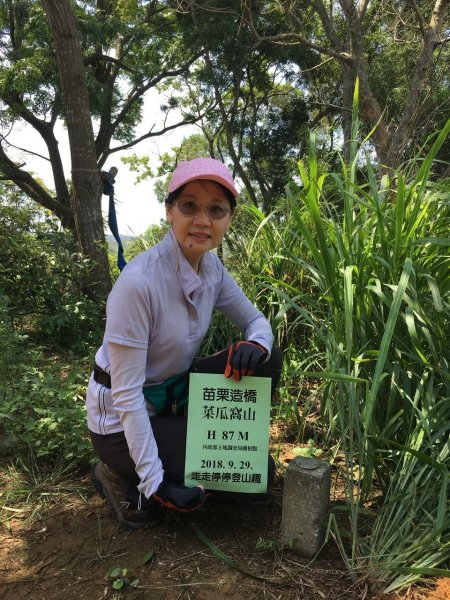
pixel 171 506
pixel 127 524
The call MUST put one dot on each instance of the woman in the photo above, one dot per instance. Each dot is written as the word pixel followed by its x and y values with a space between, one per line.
pixel 158 314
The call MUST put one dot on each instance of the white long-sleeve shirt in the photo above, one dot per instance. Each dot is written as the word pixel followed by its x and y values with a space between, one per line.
pixel 158 314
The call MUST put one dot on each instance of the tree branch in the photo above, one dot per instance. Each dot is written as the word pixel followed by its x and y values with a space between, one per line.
pixel 423 62
pixel 362 9
pixel 327 24
pixel 422 25
pixel 108 128
pixel 289 38
pixel 147 135
pixel 30 152
pixel 31 187
pixel 98 57
pixel 45 130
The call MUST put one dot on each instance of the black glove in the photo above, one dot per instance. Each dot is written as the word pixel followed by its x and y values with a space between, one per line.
pixel 179 497
pixel 243 358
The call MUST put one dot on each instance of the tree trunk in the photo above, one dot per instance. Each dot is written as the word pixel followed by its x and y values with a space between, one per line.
pixel 348 89
pixel 87 189
pixel 409 118
pixel 34 190
pixel 390 139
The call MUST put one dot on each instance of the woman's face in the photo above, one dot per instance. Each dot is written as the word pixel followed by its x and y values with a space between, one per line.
pixel 198 233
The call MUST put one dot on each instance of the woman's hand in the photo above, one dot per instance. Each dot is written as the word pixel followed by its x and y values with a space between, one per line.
pixel 243 358
pixel 179 497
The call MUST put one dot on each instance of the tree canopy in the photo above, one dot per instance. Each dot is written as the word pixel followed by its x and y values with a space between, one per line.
pixel 127 48
pixel 254 77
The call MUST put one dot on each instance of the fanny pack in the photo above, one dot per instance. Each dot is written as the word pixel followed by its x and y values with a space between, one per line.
pixel 169 397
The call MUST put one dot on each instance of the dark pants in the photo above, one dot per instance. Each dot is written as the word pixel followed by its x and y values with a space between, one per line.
pixel 170 432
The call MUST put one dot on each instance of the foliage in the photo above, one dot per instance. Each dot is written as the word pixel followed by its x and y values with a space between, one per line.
pixel 252 75
pixel 149 238
pixel 128 47
pixel 220 335
pixel 397 50
pixel 47 326
pixel 42 407
pixel 393 42
pixel 42 279
pixel 369 280
pixel 121 578
pixel 353 272
pixel 254 109
pixel 256 251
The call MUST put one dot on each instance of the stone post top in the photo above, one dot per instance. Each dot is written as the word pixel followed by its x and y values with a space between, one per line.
pixel 308 462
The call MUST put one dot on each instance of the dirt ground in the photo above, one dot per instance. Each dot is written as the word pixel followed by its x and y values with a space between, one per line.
pixel 68 552
pixel 74 544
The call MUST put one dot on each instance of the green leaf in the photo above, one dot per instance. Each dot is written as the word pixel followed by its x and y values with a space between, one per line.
pixel 148 557
pixel 333 376
pixel 386 340
pixel 116 572
pixel 118 584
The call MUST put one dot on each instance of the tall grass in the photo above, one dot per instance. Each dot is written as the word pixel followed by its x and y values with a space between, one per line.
pixel 364 267
pixel 382 273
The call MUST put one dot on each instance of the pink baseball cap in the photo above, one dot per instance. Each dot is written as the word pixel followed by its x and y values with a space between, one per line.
pixel 202 168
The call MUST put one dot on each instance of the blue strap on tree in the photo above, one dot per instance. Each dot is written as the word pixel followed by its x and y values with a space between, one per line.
pixel 108 182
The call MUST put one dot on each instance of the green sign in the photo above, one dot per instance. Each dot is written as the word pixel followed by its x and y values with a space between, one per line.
pixel 228 433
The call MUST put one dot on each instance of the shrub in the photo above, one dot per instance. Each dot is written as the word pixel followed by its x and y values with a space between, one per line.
pixel 42 277
pixel 42 408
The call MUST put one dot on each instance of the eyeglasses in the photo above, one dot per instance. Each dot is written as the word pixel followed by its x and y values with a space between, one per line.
pixel 214 212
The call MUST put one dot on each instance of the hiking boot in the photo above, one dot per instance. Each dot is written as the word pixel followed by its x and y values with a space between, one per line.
pixel 131 507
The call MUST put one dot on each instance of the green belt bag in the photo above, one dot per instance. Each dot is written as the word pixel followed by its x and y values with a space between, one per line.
pixel 169 397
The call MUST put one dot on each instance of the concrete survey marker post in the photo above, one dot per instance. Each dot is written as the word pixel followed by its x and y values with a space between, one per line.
pixel 227 442
pixel 306 497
